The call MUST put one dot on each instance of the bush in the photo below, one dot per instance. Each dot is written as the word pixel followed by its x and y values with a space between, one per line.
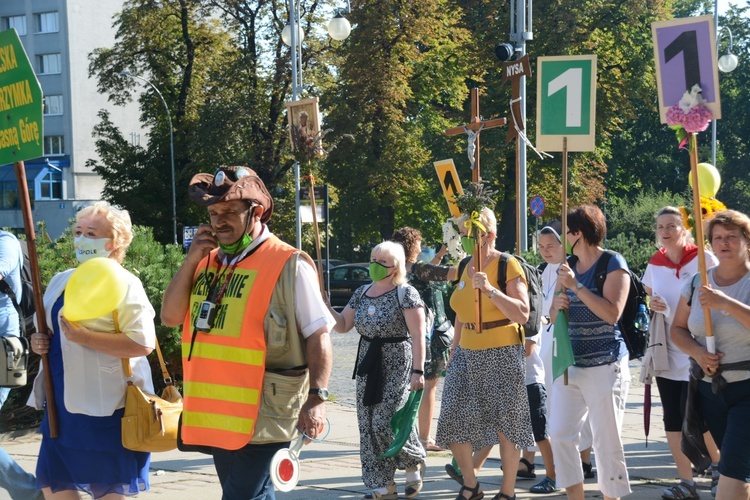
pixel 155 265
pixel 636 217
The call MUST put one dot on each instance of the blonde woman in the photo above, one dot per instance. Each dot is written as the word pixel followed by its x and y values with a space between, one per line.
pixel 484 396
pixel 85 361
pixel 389 316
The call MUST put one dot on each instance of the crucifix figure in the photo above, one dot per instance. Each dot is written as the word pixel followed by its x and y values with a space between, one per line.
pixel 472 130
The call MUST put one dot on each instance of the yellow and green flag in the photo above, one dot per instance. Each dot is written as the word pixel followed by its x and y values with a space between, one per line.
pixel 562 351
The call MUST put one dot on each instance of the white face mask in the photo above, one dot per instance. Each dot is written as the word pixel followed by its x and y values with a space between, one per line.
pixel 88 248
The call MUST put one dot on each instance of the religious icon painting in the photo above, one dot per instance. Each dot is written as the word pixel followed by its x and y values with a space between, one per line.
pixel 304 126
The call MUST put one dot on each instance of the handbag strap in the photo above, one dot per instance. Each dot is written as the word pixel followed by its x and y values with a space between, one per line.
pixel 126 361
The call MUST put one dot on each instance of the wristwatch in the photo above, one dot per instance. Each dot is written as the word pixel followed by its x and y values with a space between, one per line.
pixel 321 393
pixel 579 285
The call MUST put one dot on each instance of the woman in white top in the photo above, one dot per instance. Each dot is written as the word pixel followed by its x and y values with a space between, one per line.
pixel 673 265
pixel 85 360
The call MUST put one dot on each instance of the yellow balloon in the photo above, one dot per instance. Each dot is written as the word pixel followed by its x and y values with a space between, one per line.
pixel 709 180
pixel 94 289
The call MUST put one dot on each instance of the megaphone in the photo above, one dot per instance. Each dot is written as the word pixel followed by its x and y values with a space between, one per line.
pixel 285 466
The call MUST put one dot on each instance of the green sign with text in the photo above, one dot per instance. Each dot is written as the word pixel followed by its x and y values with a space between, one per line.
pixel 21 125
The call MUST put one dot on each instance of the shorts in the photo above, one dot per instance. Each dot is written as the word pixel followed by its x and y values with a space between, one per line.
pixel 437 362
pixel 727 414
pixel 538 409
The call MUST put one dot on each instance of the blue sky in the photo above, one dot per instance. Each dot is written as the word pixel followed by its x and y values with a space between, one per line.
pixel 724 4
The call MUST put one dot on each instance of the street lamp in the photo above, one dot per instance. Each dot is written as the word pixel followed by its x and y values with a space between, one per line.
pixel 292 36
pixel 171 149
pixel 727 63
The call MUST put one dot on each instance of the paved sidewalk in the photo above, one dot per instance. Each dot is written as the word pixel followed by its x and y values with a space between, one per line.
pixel 331 469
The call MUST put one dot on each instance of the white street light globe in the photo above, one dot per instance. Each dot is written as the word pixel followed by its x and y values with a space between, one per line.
pixel 728 63
pixel 286 34
pixel 339 28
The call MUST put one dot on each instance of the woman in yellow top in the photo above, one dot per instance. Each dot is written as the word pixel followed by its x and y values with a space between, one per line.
pixel 484 397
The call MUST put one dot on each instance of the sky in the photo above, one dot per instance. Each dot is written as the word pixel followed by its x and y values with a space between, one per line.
pixel 724 4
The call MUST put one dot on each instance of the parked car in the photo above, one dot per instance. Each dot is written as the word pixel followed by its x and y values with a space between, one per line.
pixel 344 280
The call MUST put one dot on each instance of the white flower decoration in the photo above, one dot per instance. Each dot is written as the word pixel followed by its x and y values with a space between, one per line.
pixel 452 239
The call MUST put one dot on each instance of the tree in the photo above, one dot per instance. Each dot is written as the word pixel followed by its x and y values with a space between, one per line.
pixel 399 84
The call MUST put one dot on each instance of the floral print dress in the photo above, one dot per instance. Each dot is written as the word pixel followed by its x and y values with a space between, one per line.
pixel 380 321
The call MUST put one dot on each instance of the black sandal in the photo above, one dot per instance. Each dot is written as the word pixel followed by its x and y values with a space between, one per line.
pixel 475 493
pixel 528 473
pixel 500 496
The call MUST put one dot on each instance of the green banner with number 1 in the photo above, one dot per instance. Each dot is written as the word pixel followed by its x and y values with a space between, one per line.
pixel 566 93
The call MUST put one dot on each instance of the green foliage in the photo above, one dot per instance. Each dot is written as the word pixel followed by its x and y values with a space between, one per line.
pixel 637 251
pixel 636 216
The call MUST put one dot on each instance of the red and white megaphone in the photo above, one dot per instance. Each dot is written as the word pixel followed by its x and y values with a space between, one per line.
pixel 285 466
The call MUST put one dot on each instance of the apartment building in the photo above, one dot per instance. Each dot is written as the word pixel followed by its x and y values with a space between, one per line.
pixel 58 36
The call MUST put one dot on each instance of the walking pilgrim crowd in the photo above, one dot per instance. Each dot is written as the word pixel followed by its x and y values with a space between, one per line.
pixel 257 356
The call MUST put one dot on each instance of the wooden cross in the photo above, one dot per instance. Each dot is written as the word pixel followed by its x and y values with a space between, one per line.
pixel 473 129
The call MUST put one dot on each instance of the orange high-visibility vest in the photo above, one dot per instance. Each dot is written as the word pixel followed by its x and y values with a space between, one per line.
pixel 223 380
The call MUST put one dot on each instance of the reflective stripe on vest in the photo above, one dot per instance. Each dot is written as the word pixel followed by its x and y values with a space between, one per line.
pixel 223 380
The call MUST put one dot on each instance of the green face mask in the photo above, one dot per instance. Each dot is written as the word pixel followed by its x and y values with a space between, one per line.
pixel 237 246
pixel 378 271
pixel 467 243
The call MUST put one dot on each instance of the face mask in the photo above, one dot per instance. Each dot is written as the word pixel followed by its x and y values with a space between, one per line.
pixel 467 243
pixel 378 271
pixel 237 246
pixel 88 248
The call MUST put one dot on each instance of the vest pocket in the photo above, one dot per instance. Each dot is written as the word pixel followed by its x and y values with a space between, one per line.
pixel 281 402
pixel 277 341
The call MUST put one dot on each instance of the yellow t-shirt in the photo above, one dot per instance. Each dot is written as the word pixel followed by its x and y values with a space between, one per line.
pixel 462 301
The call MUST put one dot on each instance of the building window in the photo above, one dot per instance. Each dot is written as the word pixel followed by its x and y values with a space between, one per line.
pixel 54 145
pixel 9 195
pixel 47 22
pixel 53 105
pixel 49 64
pixel 18 22
pixel 50 186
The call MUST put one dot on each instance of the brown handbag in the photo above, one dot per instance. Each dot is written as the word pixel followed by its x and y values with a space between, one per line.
pixel 150 422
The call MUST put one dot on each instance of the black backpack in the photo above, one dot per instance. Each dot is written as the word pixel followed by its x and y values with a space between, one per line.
pixel 25 307
pixel 635 340
pixel 534 285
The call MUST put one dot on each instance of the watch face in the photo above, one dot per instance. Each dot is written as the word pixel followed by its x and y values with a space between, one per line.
pixel 321 393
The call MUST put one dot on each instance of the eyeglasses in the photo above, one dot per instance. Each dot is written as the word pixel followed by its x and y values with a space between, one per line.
pixel 669 228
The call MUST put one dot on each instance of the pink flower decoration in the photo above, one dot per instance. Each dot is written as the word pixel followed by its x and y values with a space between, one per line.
pixel 674 115
pixel 697 119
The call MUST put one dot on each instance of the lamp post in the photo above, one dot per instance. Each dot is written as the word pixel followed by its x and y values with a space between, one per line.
pixel 171 149
pixel 520 33
pixel 292 36
pixel 727 63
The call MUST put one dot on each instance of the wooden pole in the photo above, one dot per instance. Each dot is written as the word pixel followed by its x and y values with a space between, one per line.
pixel 317 235
pixel 476 177
pixel 564 229
pixel 41 317
pixel 701 242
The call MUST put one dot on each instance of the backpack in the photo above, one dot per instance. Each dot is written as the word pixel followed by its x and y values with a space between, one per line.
pixel 25 307
pixel 635 340
pixel 534 285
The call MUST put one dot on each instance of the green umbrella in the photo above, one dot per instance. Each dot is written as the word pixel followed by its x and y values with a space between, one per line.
pixel 562 352
pixel 402 423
